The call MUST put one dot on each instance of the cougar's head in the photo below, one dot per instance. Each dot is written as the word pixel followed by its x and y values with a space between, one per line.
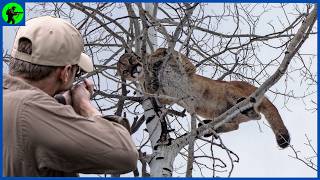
pixel 130 67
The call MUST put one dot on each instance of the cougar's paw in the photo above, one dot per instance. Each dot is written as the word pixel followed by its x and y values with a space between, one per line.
pixel 205 122
pixel 209 134
pixel 283 140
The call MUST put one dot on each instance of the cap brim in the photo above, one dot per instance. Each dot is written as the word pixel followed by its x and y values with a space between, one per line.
pixel 85 63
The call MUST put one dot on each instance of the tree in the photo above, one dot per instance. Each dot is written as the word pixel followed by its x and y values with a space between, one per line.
pixel 225 43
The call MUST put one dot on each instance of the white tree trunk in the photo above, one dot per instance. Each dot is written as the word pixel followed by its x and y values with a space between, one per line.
pixel 161 163
pixel 163 155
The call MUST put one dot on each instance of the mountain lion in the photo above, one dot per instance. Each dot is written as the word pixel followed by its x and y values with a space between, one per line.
pixel 214 96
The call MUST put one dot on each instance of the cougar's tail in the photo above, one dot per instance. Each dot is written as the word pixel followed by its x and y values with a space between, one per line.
pixel 275 121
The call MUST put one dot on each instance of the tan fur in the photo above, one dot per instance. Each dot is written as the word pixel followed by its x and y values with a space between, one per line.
pixel 185 62
pixel 215 97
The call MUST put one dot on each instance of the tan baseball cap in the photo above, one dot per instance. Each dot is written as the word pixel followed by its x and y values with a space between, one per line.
pixel 55 42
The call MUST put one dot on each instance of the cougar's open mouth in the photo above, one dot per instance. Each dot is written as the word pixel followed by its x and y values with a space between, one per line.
pixel 137 71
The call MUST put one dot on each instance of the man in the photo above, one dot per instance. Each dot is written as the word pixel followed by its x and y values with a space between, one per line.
pixel 42 137
pixel 10 13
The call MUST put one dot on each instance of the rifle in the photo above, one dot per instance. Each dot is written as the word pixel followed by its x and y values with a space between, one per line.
pixel 17 14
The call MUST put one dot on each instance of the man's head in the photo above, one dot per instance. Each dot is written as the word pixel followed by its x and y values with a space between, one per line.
pixel 46 47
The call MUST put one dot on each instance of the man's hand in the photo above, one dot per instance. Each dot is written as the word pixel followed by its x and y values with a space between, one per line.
pixel 89 86
pixel 82 91
pixel 81 94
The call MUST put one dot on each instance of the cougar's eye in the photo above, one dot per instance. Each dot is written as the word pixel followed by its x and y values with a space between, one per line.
pixel 131 60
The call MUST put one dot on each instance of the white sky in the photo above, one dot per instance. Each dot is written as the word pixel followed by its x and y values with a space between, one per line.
pixel 258 151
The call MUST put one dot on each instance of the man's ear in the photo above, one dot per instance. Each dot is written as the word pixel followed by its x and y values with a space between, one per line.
pixel 64 73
